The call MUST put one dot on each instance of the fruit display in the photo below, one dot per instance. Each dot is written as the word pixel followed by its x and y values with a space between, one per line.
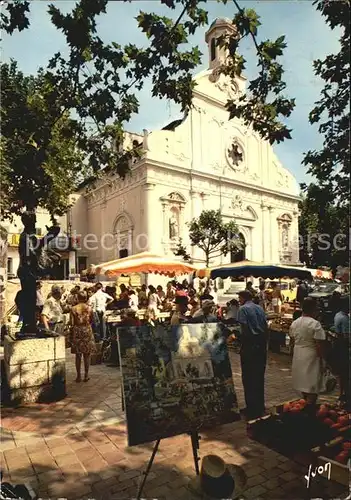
pixel 280 325
pixel 339 449
pixel 337 455
pixel 293 428
pixel 306 436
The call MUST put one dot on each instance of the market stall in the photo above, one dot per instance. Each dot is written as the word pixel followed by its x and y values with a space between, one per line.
pixel 319 440
pixel 320 274
pixel 146 263
pixel 279 324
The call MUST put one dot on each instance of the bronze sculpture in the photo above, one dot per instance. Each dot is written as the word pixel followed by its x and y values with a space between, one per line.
pixel 33 265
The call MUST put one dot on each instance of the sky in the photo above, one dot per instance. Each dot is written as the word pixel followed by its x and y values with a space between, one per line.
pixel 307 38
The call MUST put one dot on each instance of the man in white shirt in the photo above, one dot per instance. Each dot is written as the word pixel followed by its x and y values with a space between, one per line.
pixel 206 313
pixel 98 303
pixel 133 300
pixel 52 314
pixel 40 301
pixel 232 310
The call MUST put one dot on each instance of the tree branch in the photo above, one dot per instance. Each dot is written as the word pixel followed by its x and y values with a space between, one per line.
pixel 253 39
pixel 187 4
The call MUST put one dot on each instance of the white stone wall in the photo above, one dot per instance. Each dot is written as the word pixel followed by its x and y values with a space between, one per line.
pixel 35 368
pixel 192 160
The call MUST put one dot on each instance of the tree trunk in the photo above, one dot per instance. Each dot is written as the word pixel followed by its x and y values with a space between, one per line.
pixel 3 247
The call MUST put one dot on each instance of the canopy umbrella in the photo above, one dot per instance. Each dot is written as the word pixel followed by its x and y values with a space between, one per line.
pixel 259 270
pixel 145 262
pixel 320 273
pixel 205 272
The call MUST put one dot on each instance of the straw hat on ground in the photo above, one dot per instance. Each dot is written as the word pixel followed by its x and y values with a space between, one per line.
pixel 218 480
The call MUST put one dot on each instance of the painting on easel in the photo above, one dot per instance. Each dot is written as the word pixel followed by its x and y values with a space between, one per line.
pixel 175 379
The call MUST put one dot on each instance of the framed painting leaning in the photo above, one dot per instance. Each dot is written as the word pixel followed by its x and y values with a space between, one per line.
pixel 176 379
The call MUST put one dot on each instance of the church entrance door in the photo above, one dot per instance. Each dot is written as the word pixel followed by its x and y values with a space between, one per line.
pixel 240 254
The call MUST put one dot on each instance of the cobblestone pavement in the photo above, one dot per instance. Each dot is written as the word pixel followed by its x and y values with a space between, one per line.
pixel 76 448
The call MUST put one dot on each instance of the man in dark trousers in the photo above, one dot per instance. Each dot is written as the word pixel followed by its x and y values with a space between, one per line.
pixel 253 353
pixel 302 292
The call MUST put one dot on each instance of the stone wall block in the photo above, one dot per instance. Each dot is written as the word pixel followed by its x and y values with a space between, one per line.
pixel 17 352
pixel 35 370
pixel 57 370
pixel 60 347
pixel 13 375
pixel 34 374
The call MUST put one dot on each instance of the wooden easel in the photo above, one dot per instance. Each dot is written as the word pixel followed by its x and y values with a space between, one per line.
pixel 195 438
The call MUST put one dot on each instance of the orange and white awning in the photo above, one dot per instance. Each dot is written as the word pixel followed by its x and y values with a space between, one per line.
pixel 320 273
pixel 145 262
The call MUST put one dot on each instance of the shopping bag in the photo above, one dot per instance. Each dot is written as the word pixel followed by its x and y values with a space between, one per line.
pixel 328 382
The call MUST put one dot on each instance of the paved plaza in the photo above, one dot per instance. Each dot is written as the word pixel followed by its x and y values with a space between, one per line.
pixel 77 448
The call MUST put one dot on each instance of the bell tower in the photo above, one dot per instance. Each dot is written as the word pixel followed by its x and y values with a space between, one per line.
pixel 219 27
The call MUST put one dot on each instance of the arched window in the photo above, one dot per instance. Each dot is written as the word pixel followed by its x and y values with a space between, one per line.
pixel 213 49
pixel 123 235
pixel 240 254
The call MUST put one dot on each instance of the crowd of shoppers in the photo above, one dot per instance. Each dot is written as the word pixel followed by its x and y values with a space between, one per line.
pixel 88 307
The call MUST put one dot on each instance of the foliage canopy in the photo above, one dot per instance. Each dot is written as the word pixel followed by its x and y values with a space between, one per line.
pixel 212 235
pixel 93 90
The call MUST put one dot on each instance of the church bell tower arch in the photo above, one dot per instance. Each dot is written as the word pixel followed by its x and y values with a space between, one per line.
pixel 220 27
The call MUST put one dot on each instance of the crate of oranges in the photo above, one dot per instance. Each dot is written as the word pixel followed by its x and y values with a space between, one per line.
pixel 293 429
pixel 335 457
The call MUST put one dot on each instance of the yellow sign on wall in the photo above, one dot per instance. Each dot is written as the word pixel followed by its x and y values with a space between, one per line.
pixel 13 239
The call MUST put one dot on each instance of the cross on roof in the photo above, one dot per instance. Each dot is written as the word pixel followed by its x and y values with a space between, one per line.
pixel 234 154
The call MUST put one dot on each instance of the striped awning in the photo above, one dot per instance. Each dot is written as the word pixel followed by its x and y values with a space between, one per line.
pixel 321 273
pixel 259 270
pixel 145 263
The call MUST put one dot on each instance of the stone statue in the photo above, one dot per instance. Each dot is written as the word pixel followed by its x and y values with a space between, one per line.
pixel 35 262
pixel 285 238
pixel 173 227
pixel 145 139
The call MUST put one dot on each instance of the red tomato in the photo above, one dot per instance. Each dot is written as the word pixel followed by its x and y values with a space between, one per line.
pixel 346 445
pixel 341 458
pixel 328 421
pixel 295 409
pixel 343 420
pixel 336 426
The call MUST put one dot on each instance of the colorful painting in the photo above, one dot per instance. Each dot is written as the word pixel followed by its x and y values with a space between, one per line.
pixel 175 379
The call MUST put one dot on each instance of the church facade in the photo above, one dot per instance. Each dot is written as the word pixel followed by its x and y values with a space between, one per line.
pixel 204 161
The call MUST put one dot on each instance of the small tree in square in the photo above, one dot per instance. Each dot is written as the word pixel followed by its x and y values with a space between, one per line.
pixel 212 235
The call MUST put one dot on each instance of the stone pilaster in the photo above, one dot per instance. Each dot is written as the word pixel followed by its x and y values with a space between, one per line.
pixel 149 213
pixel 196 204
pixel 265 233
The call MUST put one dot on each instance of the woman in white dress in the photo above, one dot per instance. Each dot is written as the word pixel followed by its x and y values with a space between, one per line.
pixel 277 298
pixel 153 302
pixel 308 365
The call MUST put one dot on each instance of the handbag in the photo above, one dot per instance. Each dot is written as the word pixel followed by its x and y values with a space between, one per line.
pixel 328 382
